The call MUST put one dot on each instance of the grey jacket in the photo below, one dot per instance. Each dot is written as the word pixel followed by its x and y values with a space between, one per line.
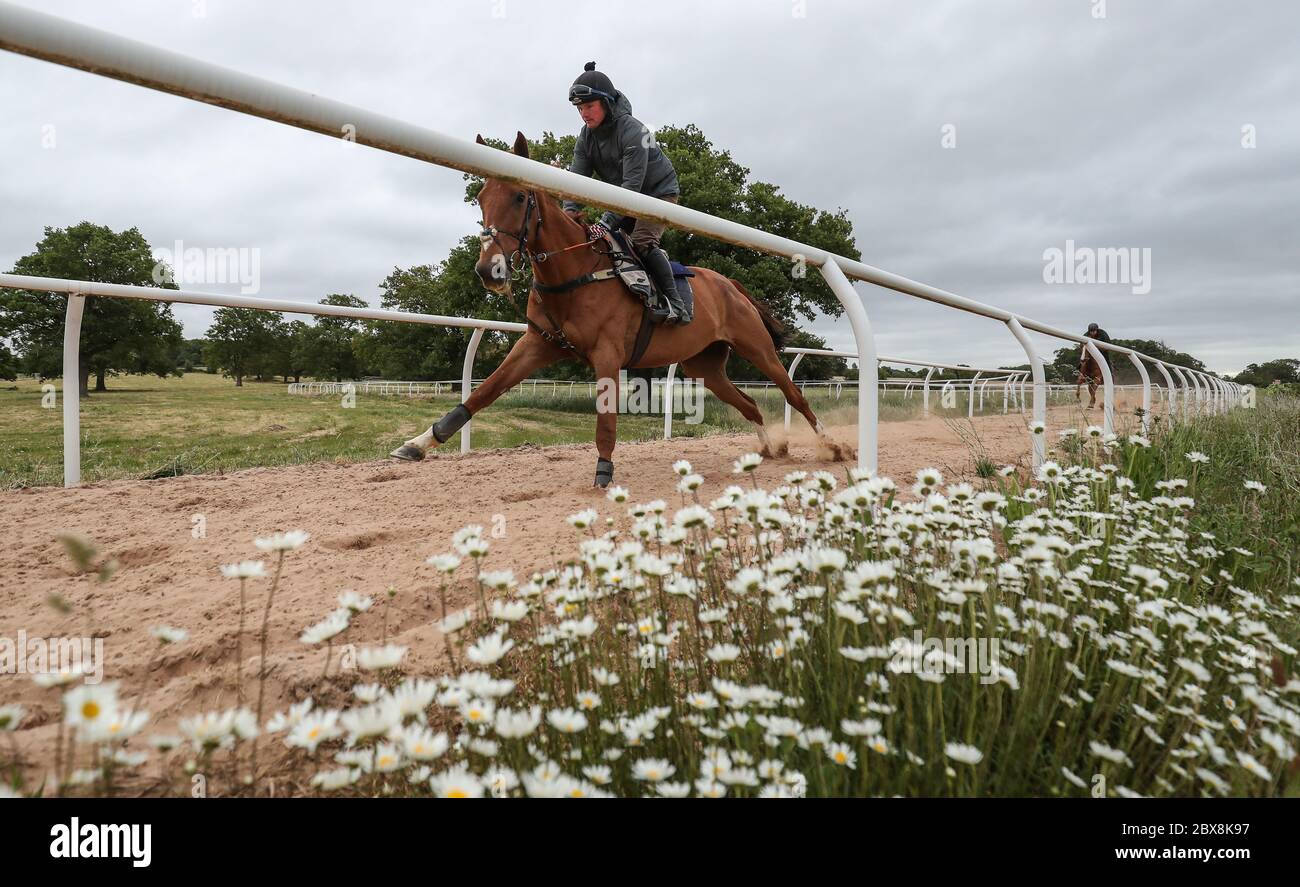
pixel 618 151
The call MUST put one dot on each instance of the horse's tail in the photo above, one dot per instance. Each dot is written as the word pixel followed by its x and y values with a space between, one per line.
pixel 775 328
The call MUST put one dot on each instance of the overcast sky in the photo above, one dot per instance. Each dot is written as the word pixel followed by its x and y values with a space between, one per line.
pixel 1127 130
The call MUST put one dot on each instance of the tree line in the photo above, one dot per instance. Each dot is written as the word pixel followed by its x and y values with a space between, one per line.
pixel 129 336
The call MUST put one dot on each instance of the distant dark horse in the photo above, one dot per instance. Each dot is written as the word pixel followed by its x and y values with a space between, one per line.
pixel 1090 372
pixel 598 321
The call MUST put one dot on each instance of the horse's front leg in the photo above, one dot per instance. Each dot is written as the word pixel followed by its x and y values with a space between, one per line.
pixel 606 363
pixel 528 355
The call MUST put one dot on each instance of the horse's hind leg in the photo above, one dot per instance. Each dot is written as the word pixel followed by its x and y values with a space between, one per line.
pixel 710 366
pixel 763 356
pixel 528 355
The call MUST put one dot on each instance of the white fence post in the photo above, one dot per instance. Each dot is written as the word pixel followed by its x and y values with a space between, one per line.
pixel 1200 392
pixel 1187 395
pixel 72 377
pixel 1170 393
pixel 794 365
pixel 970 398
pixel 868 396
pixel 1040 390
pixel 1146 391
pixel 467 383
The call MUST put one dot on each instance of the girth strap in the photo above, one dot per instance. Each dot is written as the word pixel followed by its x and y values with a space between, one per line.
pixel 585 279
pixel 643 334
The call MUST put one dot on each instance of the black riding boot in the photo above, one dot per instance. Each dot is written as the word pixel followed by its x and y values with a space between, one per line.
pixel 656 265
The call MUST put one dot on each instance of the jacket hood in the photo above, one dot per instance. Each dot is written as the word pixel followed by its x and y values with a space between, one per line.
pixel 622 107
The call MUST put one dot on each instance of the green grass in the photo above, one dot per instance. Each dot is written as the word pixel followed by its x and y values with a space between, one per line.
pixel 1261 444
pixel 144 426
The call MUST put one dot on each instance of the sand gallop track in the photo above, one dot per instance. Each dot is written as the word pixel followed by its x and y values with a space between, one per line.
pixel 372 525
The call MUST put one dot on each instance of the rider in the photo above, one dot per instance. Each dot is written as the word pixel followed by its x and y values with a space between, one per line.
pixel 621 150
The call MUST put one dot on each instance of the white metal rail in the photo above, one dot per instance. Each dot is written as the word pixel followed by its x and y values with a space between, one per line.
pixel 78 290
pixel 28 32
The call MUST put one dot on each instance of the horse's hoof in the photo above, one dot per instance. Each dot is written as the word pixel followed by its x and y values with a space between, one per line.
pixel 604 473
pixel 408 453
pixel 833 451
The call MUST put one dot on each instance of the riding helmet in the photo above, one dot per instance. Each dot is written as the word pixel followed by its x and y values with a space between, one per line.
pixel 592 83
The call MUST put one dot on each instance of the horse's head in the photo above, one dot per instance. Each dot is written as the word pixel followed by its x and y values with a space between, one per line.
pixel 511 216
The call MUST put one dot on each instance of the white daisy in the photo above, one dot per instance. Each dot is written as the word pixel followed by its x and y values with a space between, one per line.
pixel 283 541
pixel 652 770
pixel 355 603
pixel 244 570
pixel 963 754
pixel 313 729
pixel 841 754
pixel 333 780
pixel 377 658
pixel 489 649
pixel 90 704
pixel 457 782
pixel 512 724
pixel 566 720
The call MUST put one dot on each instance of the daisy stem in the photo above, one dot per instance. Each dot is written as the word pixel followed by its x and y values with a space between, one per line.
pixel 239 642
pixel 261 665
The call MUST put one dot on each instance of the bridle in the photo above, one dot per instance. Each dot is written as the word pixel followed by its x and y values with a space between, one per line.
pixel 520 258
pixel 517 257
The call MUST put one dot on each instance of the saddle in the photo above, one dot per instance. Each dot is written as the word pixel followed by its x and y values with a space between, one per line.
pixel 631 271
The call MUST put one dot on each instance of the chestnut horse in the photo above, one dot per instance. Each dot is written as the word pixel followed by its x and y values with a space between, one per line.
pixel 597 322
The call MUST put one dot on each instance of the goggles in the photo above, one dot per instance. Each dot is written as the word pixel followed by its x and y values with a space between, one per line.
pixel 580 93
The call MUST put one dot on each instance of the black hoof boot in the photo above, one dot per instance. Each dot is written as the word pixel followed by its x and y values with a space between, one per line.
pixel 449 424
pixel 604 473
